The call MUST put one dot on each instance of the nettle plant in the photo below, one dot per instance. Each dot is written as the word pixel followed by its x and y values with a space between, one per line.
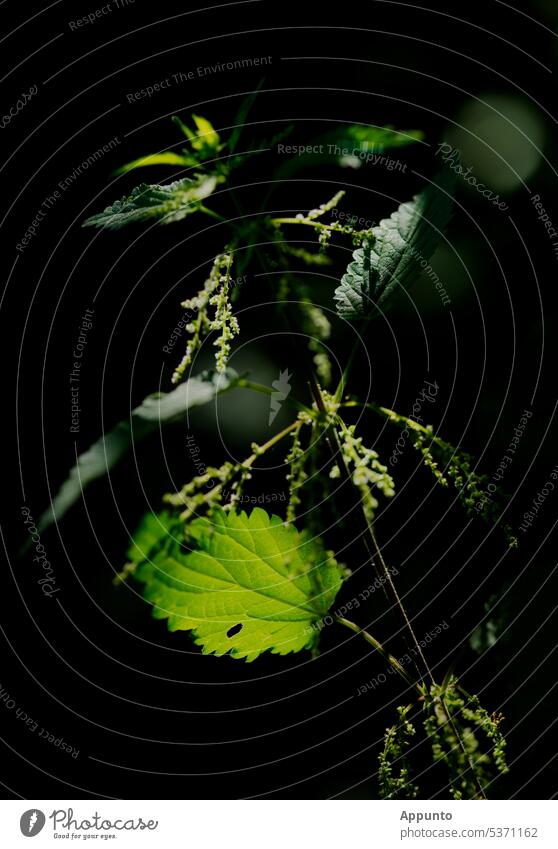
pixel 244 583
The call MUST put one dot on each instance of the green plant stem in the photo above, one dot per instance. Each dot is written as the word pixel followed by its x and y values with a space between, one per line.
pixel 394 663
pixel 309 222
pixel 270 443
pixel 449 718
pixel 267 390
pixel 211 213
pixel 389 579
pixel 391 415
pixel 385 574
pixel 345 376
pixel 344 229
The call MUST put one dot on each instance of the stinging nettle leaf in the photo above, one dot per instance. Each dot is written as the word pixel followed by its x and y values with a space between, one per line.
pixel 243 584
pixel 400 243
pixel 169 203
pixel 153 412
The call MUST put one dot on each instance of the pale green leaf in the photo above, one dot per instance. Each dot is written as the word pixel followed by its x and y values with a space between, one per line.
pixel 242 584
pixel 207 135
pixel 154 412
pixel 398 246
pixel 165 158
pixel 362 144
pixel 377 139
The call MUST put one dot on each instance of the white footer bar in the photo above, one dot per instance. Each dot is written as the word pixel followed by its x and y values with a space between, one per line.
pixel 291 824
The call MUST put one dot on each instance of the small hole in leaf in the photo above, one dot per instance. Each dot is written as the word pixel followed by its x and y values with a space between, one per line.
pixel 234 630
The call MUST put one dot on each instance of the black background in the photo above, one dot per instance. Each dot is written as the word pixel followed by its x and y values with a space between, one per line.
pixel 150 716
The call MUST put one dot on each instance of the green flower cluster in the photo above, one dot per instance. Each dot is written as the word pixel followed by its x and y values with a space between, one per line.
pixel 368 474
pixel 216 293
pixel 395 783
pixel 453 722
pixel 463 736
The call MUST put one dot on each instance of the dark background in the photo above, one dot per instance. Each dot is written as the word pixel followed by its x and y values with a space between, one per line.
pixel 150 716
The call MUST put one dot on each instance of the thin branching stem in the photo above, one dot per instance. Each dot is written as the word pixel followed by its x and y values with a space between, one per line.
pixel 249 462
pixel 267 390
pixel 394 663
